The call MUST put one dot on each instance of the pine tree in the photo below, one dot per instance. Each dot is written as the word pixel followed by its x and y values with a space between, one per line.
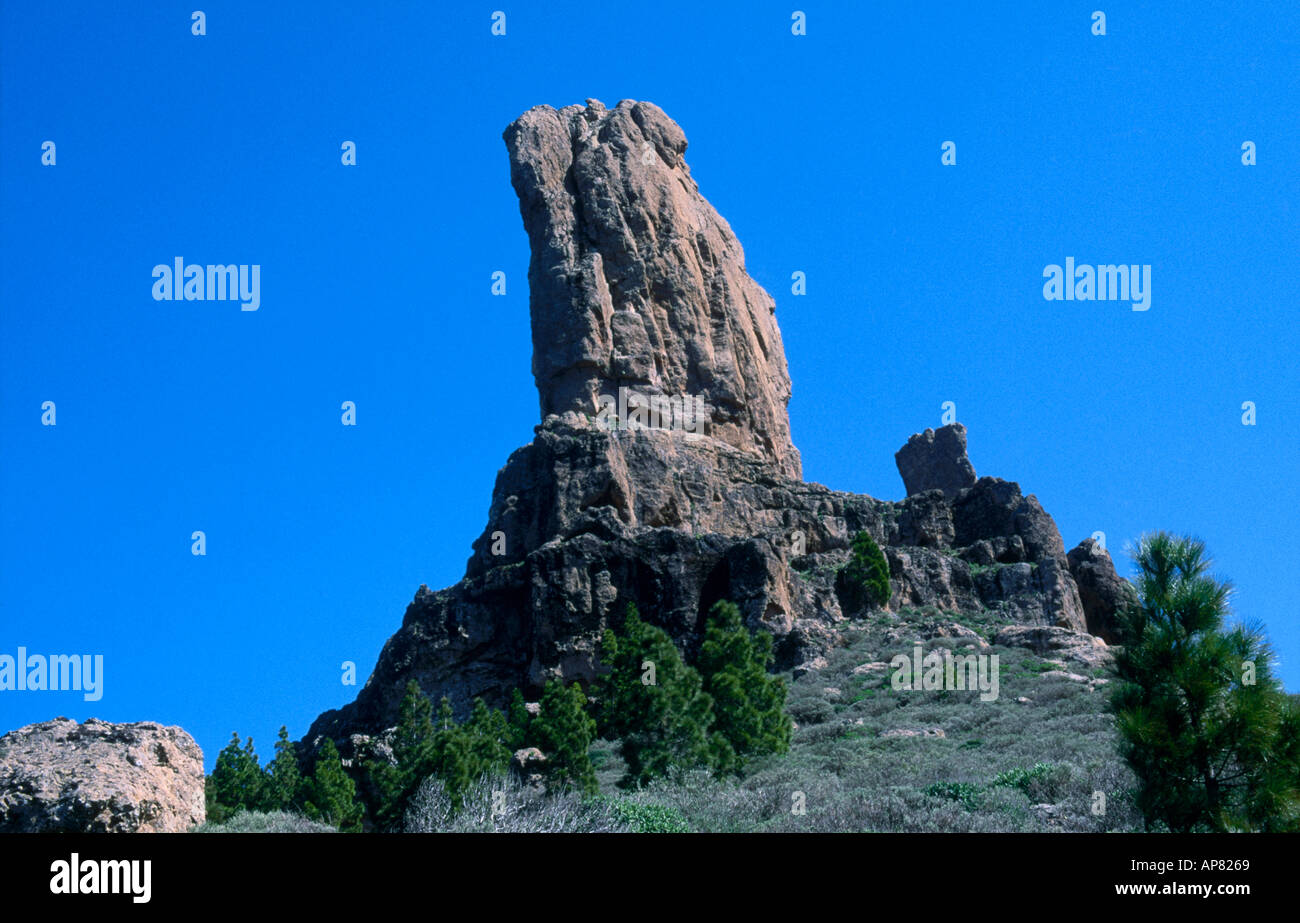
pixel 518 721
pixel 748 704
pixel 413 751
pixel 237 780
pixel 488 732
pixel 652 702
pixel 1203 720
pixel 285 782
pixel 425 746
pixel 864 581
pixel 564 732
pixel 453 755
pixel 331 793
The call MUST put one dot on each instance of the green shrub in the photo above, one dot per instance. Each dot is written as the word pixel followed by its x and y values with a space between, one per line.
pixel 650 818
pixel 863 582
pixel 1026 780
pixel 966 794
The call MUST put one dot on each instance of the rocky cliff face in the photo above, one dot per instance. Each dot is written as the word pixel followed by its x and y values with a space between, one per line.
pixel 637 282
pixel 63 777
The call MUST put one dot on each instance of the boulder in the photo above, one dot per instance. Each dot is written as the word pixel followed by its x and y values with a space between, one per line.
pixel 1079 646
pixel 528 765
pixel 936 460
pixel 63 777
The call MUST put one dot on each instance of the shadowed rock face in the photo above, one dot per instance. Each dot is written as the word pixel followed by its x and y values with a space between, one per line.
pixel 63 777
pixel 936 460
pixel 637 282
pixel 1103 593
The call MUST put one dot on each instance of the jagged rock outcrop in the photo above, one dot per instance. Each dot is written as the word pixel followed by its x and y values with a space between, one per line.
pixel 1102 592
pixel 637 282
pixel 936 460
pixel 1057 642
pixel 63 777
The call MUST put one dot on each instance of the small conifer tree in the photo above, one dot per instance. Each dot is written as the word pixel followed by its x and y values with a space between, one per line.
pixel 564 731
pixel 748 704
pixel 652 702
pixel 331 793
pixel 285 782
pixel 864 581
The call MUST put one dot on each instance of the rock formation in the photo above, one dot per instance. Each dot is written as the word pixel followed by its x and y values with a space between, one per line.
pixel 63 777
pixel 1102 592
pixel 936 460
pixel 637 283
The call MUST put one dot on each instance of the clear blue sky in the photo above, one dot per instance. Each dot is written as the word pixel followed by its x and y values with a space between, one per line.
pixel 822 151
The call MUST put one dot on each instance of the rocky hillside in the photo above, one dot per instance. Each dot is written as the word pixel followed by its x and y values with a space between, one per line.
pixel 867 757
pixel 639 286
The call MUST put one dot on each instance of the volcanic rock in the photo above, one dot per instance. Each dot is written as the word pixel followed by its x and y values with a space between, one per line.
pixel 936 460
pixel 1103 593
pixel 1062 642
pixel 637 283
pixel 63 777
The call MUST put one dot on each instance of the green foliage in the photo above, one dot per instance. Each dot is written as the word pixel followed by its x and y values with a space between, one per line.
pixel 395 783
pixel 424 746
pixel 1028 781
pixel 564 731
pixel 488 731
pixel 864 581
pixel 749 716
pixel 284 783
pixel 650 818
pixel 237 781
pixel 967 794
pixel 517 723
pixel 1212 749
pixel 652 702
pixel 331 793
pixel 856 780
pixel 453 754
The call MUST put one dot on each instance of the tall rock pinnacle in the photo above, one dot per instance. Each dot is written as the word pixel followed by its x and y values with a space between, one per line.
pixel 637 282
